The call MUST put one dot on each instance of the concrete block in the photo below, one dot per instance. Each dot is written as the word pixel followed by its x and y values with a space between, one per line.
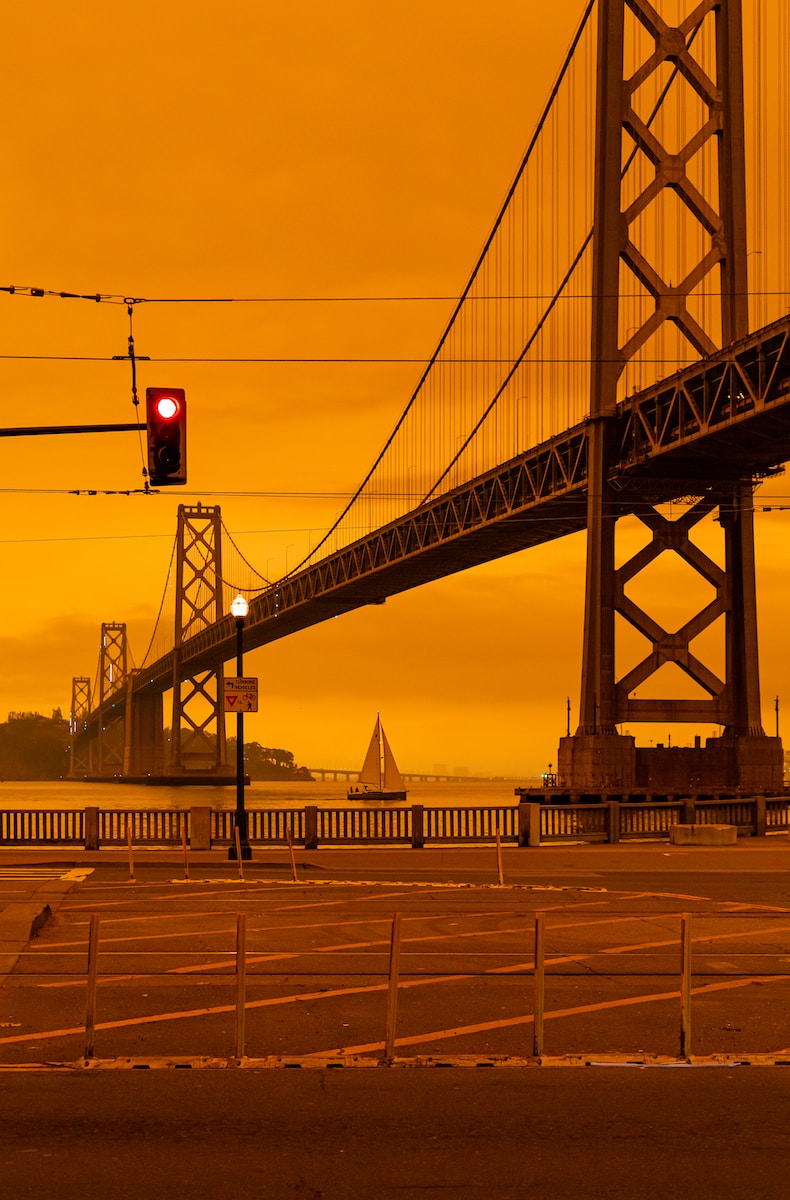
pixel 703 835
pixel 528 823
pixel 200 827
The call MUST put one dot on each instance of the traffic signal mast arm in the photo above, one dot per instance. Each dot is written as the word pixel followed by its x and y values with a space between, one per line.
pixel 166 432
pixel 38 430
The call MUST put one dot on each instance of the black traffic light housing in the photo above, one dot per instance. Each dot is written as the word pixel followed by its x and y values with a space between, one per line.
pixel 166 426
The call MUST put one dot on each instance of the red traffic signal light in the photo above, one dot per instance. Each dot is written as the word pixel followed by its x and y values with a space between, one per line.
pixel 166 426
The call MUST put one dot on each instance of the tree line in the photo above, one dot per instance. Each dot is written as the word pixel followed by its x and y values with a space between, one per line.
pixel 35 747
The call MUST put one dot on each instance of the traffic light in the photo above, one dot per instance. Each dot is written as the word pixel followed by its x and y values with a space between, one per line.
pixel 166 425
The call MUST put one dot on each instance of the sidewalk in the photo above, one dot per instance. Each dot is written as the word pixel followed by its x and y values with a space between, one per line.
pixel 644 855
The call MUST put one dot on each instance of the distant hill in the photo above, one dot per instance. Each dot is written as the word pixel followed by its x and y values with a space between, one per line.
pixel 265 762
pixel 33 746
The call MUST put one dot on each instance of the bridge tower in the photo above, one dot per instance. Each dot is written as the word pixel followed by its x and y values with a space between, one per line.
pixel 79 750
pixel 198 729
pixel 110 745
pixel 713 210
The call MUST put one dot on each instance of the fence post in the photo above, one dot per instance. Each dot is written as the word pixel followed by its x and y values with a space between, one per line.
pixel 760 816
pixel 528 823
pixel 613 823
pixel 685 985
pixel 540 982
pixel 417 827
pixel 131 851
pixel 290 841
pixel 392 991
pixel 185 850
pixel 241 984
pixel 311 827
pixel 690 811
pixel 90 1002
pixel 91 829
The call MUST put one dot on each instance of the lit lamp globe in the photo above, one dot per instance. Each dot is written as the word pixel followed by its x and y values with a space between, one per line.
pixel 239 608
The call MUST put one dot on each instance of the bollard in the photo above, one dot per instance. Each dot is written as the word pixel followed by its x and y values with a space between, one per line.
pixel 685 985
pixel 184 847
pixel 238 852
pixel 291 851
pixel 131 853
pixel 499 870
pixel 90 1001
pixel 241 983
pixel 540 984
pixel 392 993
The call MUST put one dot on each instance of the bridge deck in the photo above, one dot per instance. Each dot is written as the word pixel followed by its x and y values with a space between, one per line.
pixel 719 420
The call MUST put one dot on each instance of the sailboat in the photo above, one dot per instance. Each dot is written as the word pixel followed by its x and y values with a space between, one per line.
pixel 379 778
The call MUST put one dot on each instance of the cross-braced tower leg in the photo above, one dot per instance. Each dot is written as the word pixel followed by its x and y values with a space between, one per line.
pixel 113 679
pixel 198 732
pixel 79 745
pixel 696 179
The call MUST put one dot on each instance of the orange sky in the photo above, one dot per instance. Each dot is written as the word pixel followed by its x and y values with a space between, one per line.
pixel 275 149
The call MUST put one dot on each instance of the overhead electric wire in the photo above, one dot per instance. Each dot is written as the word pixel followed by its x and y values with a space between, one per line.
pixel 103 298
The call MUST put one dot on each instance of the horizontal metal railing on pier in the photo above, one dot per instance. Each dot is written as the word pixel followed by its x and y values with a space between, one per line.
pixel 524 824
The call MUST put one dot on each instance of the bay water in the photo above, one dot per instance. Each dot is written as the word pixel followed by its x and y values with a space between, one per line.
pixel 68 794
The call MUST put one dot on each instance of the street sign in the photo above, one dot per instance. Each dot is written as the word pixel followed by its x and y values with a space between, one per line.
pixel 241 693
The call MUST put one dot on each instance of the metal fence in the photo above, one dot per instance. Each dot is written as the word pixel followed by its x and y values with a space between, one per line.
pixel 363 826
pixel 524 824
pixel 42 826
pixel 470 824
pixel 157 826
pixel 269 826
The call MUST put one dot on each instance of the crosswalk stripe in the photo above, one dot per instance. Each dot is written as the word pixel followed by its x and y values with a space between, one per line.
pixel 78 874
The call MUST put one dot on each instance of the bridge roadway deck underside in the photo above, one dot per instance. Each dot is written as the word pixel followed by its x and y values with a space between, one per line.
pixel 715 422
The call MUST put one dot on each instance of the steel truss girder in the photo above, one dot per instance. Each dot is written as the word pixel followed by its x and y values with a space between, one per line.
pixel 711 400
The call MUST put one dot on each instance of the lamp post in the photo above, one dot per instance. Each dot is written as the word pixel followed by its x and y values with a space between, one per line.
pixel 239 608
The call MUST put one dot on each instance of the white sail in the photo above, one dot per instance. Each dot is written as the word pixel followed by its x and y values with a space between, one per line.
pixel 379 771
pixel 391 776
pixel 372 772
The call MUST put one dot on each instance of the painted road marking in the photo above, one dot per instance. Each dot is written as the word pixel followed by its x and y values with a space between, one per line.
pixel 77 874
pixel 527 1019
pixel 379 987
pixel 291 954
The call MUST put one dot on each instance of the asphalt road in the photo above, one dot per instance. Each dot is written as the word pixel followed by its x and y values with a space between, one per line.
pixel 318 958
pixel 463 1109
pixel 503 1134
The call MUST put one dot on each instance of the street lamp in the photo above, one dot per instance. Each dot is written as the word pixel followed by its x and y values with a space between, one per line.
pixel 240 608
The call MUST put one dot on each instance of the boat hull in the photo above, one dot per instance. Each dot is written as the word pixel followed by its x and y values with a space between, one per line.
pixel 373 794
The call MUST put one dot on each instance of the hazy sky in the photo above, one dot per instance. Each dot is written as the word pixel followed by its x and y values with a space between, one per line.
pixel 274 149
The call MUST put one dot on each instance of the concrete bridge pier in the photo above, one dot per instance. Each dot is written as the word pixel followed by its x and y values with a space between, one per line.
pixel 145 748
pixel 613 762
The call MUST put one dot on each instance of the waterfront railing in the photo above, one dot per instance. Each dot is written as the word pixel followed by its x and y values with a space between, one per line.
pixel 525 824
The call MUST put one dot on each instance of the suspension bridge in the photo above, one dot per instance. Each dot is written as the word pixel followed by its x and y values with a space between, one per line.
pixel 616 350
